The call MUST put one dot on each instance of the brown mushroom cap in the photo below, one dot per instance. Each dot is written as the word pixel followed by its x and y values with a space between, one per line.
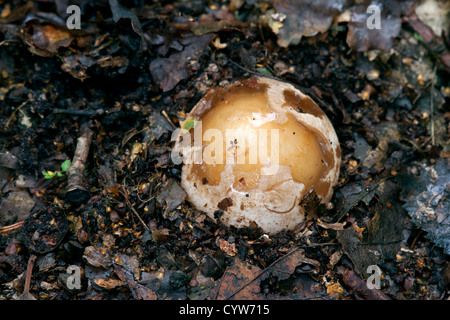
pixel 264 146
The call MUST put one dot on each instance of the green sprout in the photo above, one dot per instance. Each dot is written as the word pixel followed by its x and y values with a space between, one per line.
pixel 60 173
pixel 189 123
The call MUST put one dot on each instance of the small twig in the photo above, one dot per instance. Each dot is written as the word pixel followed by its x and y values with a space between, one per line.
pixel 433 141
pixel 312 245
pixel 75 112
pixel 26 290
pixel 6 42
pixel 14 113
pixel 164 113
pixel 256 72
pixel 415 146
pixel 11 228
pixel 77 191
pixel 125 194
pixel 29 273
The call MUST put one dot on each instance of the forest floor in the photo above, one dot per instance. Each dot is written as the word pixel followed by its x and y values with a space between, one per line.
pixel 128 77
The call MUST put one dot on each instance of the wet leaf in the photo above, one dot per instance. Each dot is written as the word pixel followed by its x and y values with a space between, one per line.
pixel 238 282
pixel 172 195
pixel 362 38
pixel 119 12
pixel 168 72
pixel 386 133
pixel 384 234
pixel 285 267
pixel 305 18
pixel 220 20
pixel 44 38
pixel 170 283
pixel 98 256
pixel 157 127
pixel 129 263
pixel 427 199
pixel 15 11
pixel 139 291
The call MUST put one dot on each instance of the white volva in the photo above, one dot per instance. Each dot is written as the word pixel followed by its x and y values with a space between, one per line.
pixel 264 146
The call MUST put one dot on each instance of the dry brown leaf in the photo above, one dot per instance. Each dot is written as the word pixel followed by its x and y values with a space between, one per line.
pixel 238 283
pixel 228 248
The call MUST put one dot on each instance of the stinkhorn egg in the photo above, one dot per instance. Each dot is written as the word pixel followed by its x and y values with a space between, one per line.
pixel 253 150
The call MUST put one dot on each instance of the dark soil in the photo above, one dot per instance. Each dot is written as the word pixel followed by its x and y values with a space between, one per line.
pixel 135 237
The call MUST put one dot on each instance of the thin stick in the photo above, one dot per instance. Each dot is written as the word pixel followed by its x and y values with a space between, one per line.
pixel 433 141
pixel 415 146
pixel 26 290
pixel 125 194
pixel 11 228
pixel 76 183
pixel 29 273
pixel 75 112
pixel 14 113
pixel 164 113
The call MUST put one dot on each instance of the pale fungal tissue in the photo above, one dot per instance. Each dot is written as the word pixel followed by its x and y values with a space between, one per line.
pixel 253 150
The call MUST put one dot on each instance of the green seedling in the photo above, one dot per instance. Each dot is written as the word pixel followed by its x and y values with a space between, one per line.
pixel 60 173
pixel 188 124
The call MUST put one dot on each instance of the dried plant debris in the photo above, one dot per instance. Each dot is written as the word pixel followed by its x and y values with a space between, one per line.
pixel 362 37
pixel 384 232
pixel 136 68
pixel 119 12
pixel 167 72
pixel 44 229
pixel 436 14
pixel 297 19
pixel 427 195
pixel 171 197
pixel 16 206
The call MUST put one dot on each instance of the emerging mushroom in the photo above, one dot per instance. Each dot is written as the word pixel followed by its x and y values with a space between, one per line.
pixel 253 150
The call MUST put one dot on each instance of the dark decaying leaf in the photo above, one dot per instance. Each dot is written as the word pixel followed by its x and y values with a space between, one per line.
pixel 168 72
pixel 362 38
pixel 98 256
pixel 170 283
pixel 240 275
pixel 44 38
pixel 173 195
pixel 384 232
pixel 243 281
pixel 15 207
pixel 18 11
pixel 157 127
pixel 139 291
pixel 360 288
pixel 120 12
pixel 220 20
pixel 305 18
pixel 427 199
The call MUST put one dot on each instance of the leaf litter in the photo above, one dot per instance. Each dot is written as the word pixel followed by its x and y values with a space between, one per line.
pixel 133 72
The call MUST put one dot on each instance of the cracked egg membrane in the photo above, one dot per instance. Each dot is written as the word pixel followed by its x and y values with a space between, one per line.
pixel 253 150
